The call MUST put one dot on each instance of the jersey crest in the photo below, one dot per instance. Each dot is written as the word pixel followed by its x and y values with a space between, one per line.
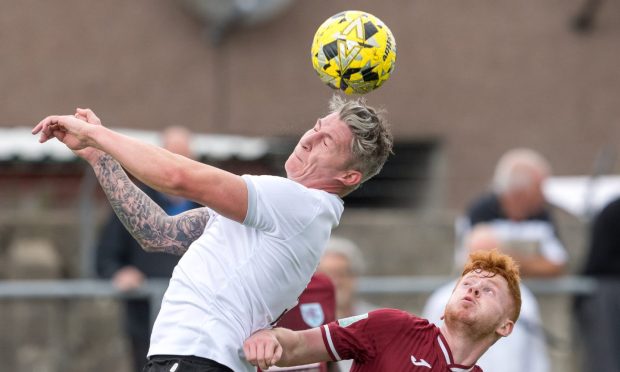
pixel 312 314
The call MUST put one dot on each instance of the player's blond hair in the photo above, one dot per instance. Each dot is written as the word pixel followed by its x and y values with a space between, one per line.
pixel 498 264
pixel 372 139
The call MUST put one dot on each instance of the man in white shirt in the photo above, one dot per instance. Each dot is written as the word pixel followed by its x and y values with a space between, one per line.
pixel 517 211
pixel 255 245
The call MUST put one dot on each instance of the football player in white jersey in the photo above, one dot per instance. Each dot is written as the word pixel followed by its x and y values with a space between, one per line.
pixel 256 243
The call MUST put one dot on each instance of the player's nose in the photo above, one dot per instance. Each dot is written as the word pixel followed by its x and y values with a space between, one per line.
pixel 310 140
pixel 305 143
pixel 474 289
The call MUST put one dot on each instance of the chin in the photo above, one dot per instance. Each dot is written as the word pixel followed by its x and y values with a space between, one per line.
pixel 288 165
pixel 468 322
pixel 461 315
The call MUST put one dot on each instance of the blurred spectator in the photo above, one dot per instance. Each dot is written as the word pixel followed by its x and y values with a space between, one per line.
pixel 597 314
pixel 525 349
pixel 121 258
pixel 343 262
pixel 517 212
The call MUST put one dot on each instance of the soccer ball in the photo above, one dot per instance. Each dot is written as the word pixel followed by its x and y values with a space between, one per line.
pixel 353 51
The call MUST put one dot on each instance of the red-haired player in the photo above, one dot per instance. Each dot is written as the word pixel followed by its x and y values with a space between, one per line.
pixel 483 308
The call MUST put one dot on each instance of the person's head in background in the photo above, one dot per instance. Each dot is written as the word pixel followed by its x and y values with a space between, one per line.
pixel 518 181
pixel 342 261
pixel 482 238
pixel 177 139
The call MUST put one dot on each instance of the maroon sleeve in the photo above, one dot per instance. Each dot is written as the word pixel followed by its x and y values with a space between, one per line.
pixel 362 337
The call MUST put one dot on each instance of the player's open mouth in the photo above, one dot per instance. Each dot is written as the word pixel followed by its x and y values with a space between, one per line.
pixel 468 299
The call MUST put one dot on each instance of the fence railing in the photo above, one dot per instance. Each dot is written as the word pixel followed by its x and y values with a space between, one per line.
pixel 153 290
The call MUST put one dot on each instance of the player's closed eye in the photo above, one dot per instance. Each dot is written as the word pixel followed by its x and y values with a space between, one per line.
pixel 317 127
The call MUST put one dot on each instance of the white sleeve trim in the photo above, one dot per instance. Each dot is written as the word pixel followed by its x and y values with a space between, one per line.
pixel 296 368
pixel 330 342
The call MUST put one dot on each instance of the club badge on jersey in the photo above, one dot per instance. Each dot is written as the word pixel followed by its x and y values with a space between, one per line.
pixel 316 306
pixel 312 314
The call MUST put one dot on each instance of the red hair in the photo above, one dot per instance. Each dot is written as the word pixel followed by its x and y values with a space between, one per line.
pixel 498 264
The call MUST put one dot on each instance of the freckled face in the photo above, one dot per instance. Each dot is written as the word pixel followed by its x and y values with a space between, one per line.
pixel 481 300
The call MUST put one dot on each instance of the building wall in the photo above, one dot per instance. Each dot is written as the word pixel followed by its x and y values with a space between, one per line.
pixel 478 76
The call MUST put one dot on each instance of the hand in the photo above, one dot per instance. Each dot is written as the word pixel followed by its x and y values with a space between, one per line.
pixel 262 349
pixel 128 278
pixel 67 129
pixel 87 115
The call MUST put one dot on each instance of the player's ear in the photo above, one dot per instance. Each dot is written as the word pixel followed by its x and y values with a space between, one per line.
pixel 350 177
pixel 505 328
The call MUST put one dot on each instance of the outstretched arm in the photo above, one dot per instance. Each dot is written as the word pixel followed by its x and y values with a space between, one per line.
pixel 222 191
pixel 283 347
pixel 147 222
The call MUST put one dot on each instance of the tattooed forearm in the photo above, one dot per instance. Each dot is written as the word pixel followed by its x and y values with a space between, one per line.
pixel 147 222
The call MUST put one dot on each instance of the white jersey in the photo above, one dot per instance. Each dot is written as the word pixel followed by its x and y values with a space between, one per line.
pixel 523 350
pixel 238 278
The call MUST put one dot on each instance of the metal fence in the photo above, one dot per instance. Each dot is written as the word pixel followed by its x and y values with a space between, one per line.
pixel 153 290
pixel 564 356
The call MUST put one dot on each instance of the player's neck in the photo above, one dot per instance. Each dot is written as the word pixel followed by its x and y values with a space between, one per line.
pixel 466 350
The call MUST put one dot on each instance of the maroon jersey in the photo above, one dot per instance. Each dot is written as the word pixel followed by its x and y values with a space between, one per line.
pixel 390 340
pixel 316 306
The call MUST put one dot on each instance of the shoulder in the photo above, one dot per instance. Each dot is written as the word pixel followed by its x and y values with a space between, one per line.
pixel 380 319
pixel 320 282
pixel 379 325
pixel 283 187
pixel 394 318
pixel 270 181
pixel 389 324
pixel 275 181
pixel 286 208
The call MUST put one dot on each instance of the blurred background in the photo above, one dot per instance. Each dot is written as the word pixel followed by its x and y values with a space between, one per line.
pixel 473 80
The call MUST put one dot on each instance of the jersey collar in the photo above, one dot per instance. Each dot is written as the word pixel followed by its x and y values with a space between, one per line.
pixel 447 353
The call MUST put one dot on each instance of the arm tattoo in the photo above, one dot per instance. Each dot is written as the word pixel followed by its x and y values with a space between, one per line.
pixel 147 222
